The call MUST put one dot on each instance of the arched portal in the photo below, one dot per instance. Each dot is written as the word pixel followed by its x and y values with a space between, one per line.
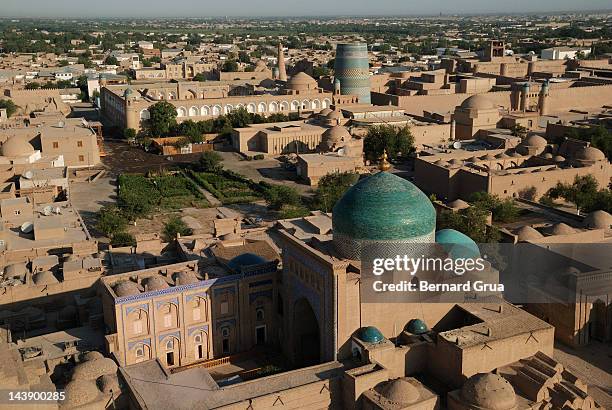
pixel 306 335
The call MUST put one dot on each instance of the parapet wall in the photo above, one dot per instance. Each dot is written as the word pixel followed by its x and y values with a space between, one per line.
pixel 560 99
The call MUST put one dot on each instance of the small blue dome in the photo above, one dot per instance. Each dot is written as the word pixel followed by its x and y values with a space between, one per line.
pixel 370 334
pixel 246 259
pixel 417 327
pixel 457 244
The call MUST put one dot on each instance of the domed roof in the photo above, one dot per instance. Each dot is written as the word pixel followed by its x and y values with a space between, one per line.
pixel 527 233
pixel 15 269
pixel 458 204
pixel 246 259
pixel 489 391
pixel 478 102
pixel 488 157
pixel 153 283
pixel 334 136
pixel 108 383
pixel 185 278
pixel 383 207
pixel 325 111
pixel 80 392
pixel 126 288
pixel 334 115
pixel 44 278
pixel 92 355
pixel 17 147
pixel 457 244
pixel 370 334
pixel 598 220
pixel 302 81
pixel 93 369
pixel 68 312
pixel 400 391
pixel 562 229
pixel 548 155
pixel 416 327
pixel 534 141
pixel 589 154
pixel 558 158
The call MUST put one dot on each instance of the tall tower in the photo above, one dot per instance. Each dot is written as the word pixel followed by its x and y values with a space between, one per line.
pixel 282 71
pixel 543 99
pixel 353 70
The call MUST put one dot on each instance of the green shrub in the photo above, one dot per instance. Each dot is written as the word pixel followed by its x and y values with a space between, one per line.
pixel 111 220
pixel 258 157
pixel 174 226
pixel 121 239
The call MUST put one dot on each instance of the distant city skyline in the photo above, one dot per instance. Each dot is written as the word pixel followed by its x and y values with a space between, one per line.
pixel 272 8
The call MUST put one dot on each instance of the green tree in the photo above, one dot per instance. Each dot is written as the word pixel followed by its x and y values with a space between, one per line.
pixel 174 226
pixel 162 118
pixel 111 220
pixel 239 118
pixel 32 86
pixel 503 210
pixel 210 161
pixel 9 106
pixel 121 239
pixel 129 134
pixel 278 196
pixel 396 141
pixel 585 193
pixel 519 131
pixel 331 188
pixel 471 221
pixel 110 60
pixel 229 66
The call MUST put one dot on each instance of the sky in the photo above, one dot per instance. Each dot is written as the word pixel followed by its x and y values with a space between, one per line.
pixel 259 8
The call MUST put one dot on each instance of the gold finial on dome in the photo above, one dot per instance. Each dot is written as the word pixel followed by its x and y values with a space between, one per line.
pixel 384 165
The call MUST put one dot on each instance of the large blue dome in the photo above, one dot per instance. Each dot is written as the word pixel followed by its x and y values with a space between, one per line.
pixel 384 207
pixel 457 244
pixel 246 259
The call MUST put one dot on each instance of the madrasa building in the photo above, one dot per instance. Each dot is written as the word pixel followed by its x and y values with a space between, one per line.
pixel 341 350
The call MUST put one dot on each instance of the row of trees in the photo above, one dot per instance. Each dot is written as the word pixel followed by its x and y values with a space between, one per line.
pixel 584 192
pixel 162 122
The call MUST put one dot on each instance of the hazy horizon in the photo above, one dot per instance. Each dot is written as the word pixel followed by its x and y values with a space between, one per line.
pixel 287 8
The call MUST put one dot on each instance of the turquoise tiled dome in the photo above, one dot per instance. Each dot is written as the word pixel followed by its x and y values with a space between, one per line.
pixel 383 207
pixel 370 334
pixel 457 244
pixel 246 259
pixel 416 327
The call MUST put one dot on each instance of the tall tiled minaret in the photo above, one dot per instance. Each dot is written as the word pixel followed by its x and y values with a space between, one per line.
pixel 282 72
